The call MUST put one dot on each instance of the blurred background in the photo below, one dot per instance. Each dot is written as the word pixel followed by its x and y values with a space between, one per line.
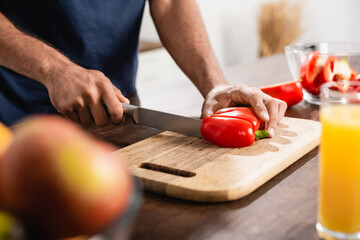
pixel 243 31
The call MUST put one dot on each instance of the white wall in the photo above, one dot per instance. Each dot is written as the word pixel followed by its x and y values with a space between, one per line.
pixel 338 21
pixel 232 25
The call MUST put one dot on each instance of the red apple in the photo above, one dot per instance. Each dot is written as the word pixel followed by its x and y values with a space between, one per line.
pixel 6 137
pixel 60 182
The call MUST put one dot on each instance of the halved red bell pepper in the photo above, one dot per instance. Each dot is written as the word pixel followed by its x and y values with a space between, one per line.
pixel 317 70
pixel 289 92
pixel 327 73
pixel 347 87
pixel 309 70
pixel 354 76
pixel 342 70
pixel 232 127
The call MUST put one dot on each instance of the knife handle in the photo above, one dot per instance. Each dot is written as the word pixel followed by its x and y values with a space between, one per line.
pixel 132 111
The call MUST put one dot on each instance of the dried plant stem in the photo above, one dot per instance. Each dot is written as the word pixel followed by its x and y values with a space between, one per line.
pixel 279 25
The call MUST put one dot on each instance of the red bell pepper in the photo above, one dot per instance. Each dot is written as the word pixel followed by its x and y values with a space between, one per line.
pixel 354 76
pixel 232 127
pixel 347 88
pixel 309 70
pixel 334 70
pixel 327 73
pixel 289 92
pixel 317 70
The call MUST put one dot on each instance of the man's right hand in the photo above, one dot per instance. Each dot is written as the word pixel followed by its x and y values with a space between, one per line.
pixel 84 95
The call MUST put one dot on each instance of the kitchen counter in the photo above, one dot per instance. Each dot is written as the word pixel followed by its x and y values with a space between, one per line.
pixel 283 208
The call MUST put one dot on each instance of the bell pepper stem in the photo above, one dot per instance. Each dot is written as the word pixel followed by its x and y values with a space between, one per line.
pixel 260 134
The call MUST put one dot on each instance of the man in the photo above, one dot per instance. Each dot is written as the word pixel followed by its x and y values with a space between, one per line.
pixel 79 58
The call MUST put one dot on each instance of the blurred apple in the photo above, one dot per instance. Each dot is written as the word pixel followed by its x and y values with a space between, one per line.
pixel 58 181
pixel 6 136
pixel 5 226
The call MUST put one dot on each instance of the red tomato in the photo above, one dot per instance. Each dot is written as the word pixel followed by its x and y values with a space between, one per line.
pixel 289 92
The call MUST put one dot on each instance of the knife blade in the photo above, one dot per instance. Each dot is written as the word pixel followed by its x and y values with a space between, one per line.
pixel 163 120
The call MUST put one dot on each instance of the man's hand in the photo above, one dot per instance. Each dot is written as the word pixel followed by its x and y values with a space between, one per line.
pixel 85 96
pixel 268 109
pixel 183 34
pixel 80 94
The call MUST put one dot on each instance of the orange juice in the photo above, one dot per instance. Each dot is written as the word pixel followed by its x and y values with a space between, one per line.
pixel 339 190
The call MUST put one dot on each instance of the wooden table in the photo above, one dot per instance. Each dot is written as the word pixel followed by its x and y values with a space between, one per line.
pixel 283 208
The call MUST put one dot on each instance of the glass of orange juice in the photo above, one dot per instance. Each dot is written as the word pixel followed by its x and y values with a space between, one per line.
pixel 339 169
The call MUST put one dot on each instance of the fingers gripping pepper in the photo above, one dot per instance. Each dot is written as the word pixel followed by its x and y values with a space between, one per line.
pixel 232 127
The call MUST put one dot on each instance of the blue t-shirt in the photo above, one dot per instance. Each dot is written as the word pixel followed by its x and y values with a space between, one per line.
pixel 96 34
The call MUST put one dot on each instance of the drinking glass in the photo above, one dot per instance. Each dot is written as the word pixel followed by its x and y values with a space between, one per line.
pixel 339 168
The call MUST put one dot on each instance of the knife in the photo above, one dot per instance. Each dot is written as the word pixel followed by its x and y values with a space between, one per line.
pixel 162 120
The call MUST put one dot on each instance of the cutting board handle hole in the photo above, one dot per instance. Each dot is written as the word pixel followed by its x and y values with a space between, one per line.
pixel 164 169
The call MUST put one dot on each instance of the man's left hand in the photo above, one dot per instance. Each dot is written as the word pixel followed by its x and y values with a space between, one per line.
pixel 269 110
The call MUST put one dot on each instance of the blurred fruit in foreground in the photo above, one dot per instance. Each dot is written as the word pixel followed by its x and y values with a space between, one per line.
pixel 60 182
pixel 6 136
pixel 5 226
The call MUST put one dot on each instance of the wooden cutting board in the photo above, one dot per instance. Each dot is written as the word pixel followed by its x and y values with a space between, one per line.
pixel 189 168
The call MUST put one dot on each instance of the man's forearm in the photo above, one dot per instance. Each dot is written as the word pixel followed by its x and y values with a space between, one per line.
pixel 182 32
pixel 27 55
pixel 83 95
